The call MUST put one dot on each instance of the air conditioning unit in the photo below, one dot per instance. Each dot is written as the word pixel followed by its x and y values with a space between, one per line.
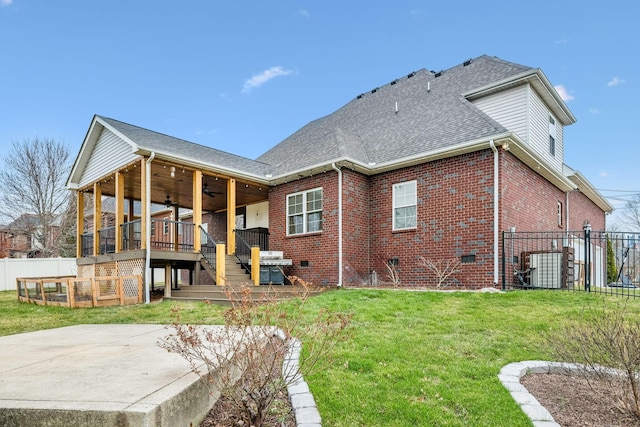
pixel 546 270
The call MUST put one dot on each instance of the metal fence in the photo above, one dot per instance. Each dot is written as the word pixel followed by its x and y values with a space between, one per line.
pixel 586 260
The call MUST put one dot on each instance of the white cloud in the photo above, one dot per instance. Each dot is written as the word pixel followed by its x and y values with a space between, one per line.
pixel 263 77
pixel 603 174
pixel 5 2
pixel 594 110
pixel 564 94
pixel 615 82
pixel 562 42
pixel 304 12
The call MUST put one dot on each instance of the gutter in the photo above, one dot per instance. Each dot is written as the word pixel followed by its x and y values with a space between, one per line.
pixel 333 165
pixel 147 262
pixel 495 212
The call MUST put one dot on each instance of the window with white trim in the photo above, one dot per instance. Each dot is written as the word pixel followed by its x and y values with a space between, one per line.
pixel 304 212
pixel 405 205
pixel 559 214
pixel 552 136
pixel 165 229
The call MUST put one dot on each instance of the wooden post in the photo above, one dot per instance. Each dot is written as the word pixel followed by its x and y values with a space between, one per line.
pixel 255 265
pixel 119 210
pixel 94 292
pixel 79 222
pixel 143 203
pixel 197 210
pixel 220 264
pixel 231 216
pixel 97 217
pixel 167 280
pixel 71 292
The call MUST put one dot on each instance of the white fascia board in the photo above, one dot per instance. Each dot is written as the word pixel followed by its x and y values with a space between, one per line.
pixel 588 189
pixel 522 151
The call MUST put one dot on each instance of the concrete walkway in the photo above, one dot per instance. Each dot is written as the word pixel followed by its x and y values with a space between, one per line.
pixel 97 375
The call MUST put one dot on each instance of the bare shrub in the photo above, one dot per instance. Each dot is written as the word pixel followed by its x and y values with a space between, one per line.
pixel 257 335
pixel 443 269
pixel 393 274
pixel 606 347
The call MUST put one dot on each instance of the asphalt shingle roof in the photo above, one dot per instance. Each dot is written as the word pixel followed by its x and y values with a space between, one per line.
pixel 431 114
pixel 161 143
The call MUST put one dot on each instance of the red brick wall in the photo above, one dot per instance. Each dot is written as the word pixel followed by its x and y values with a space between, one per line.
pixel 582 209
pixel 320 250
pixel 455 218
pixel 455 211
pixel 528 201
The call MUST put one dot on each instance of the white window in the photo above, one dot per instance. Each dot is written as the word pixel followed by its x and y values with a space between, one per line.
pixel 559 214
pixel 165 229
pixel 304 212
pixel 405 201
pixel 552 136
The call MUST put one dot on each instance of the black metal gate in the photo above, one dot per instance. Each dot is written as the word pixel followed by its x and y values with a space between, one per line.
pixel 585 260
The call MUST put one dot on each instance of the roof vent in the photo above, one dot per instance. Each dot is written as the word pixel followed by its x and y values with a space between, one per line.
pixel 394 82
pixel 411 75
pixel 374 90
pixel 433 72
pixel 467 62
pixel 438 74
pixel 360 96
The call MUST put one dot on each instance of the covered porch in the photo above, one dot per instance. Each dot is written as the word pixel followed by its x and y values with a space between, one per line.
pixel 168 215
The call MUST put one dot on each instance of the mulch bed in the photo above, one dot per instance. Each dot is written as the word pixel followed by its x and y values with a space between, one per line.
pixel 574 403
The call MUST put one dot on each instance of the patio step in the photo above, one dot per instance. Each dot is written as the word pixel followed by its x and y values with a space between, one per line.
pixel 218 294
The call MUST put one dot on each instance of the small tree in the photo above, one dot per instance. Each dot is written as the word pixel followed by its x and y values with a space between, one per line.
pixel 33 193
pixel 612 271
pixel 256 338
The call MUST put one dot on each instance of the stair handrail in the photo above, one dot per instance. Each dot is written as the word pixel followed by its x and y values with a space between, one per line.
pixel 208 248
pixel 243 252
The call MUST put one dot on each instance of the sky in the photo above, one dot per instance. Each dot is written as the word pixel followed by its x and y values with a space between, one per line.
pixel 240 76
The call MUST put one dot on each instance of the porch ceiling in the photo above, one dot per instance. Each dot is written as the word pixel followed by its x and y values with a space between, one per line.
pixel 178 188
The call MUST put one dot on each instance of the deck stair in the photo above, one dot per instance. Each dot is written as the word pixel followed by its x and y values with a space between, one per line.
pixel 235 276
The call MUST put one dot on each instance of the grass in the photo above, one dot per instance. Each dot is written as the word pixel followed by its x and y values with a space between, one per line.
pixel 412 358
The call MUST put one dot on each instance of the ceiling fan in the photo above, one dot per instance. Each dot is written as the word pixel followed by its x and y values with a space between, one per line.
pixel 209 192
pixel 168 202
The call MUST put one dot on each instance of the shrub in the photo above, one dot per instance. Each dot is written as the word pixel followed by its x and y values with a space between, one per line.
pixel 253 342
pixel 606 345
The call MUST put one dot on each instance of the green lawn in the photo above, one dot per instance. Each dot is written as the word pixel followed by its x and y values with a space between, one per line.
pixel 413 358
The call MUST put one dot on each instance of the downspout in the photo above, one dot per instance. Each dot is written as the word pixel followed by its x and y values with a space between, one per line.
pixel 147 262
pixel 495 213
pixel 333 165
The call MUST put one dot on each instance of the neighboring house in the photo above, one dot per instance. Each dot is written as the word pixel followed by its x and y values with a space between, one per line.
pixel 23 237
pixel 432 164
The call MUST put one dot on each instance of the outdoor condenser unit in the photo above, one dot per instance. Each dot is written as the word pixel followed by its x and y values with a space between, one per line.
pixel 546 270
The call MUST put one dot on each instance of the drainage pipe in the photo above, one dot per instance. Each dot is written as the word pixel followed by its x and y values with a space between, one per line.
pixel 147 262
pixel 496 217
pixel 333 165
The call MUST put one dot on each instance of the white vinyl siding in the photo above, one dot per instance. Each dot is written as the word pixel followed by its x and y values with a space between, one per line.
pixel 539 131
pixel 522 111
pixel 509 108
pixel 405 205
pixel 109 154
pixel 304 212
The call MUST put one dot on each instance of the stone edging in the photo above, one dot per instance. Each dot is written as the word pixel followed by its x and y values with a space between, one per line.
pixel 304 406
pixel 510 377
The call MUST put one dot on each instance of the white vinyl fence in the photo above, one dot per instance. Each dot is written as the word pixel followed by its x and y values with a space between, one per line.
pixel 11 268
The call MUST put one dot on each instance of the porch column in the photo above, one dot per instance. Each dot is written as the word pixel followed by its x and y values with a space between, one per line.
pixel 220 264
pixel 79 222
pixel 197 209
pixel 255 265
pixel 143 203
pixel 119 210
pixel 97 217
pixel 231 216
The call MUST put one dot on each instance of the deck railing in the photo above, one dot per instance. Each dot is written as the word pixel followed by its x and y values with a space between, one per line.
pixel 131 233
pixel 169 235
pixel 208 248
pixel 76 292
